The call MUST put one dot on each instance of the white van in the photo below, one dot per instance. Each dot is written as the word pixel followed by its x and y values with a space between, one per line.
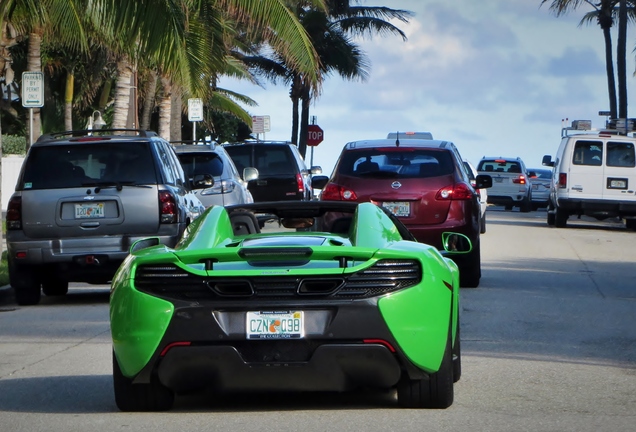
pixel 594 174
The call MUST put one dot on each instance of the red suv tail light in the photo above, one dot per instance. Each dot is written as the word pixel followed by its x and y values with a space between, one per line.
pixel 563 180
pixel 167 208
pixel 334 192
pixel 519 180
pixel 459 191
pixel 14 213
pixel 301 184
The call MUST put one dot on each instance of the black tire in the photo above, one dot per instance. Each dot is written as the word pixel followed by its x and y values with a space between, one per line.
pixel 509 207
pixel 560 218
pixel 139 397
pixel 457 355
pixel 526 205
pixel 482 224
pixel 435 392
pixel 551 218
pixel 630 224
pixel 470 267
pixel 25 284
pixel 53 286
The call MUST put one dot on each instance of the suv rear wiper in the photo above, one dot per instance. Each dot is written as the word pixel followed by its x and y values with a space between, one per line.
pixel 118 185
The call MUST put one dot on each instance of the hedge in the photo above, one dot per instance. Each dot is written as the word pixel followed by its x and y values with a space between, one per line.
pixel 12 144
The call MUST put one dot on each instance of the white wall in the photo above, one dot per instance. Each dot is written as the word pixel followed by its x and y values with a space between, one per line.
pixel 10 170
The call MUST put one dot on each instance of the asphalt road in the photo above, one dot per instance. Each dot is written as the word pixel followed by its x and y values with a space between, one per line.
pixel 548 344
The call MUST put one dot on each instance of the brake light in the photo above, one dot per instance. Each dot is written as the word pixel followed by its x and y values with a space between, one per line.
pixel 563 180
pixel 334 192
pixel 301 183
pixel 167 207
pixel 459 191
pixel 519 180
pixel 14 213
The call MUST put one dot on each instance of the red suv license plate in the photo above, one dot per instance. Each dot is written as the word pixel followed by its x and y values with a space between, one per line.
pixel 400 208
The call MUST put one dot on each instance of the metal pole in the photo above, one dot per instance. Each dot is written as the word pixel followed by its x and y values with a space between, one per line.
pixel 30 126
pixel 194 132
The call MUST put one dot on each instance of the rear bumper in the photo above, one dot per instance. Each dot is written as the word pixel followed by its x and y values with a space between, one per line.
pixel 505 199
pixel 592 207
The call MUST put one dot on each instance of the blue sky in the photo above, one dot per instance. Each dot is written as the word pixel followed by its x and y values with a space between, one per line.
pixel 496 77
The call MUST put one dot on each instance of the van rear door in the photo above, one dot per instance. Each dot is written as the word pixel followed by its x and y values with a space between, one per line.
pixel 619 177
pixel 585 174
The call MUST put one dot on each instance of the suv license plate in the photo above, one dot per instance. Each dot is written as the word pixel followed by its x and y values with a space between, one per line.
pixel 89 210
pixel 398 208
pixel 274 325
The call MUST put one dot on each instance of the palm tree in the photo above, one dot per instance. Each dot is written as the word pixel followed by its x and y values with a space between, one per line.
pixel 604 14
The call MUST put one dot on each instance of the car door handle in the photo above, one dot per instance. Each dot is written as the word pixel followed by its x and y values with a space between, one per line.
pixel 89 224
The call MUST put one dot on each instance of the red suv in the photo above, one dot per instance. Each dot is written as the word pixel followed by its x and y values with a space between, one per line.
pixel 422 182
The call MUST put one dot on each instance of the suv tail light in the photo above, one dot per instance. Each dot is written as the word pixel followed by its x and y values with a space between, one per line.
pixel 301 183
pixel 563 180
pixel 14 213
pixel 519 180
pixel 459 191
pixel 334 192
pixel 167 208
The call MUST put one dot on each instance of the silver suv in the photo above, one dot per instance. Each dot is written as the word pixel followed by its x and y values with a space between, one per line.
pixel 226 185
pixel 82 198
pixel 511 185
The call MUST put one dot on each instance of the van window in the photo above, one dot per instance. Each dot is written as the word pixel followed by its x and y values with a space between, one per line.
pixel 620 154
pixel 588 153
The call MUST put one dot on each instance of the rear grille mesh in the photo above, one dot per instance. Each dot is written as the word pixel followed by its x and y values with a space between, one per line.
pixel 172 282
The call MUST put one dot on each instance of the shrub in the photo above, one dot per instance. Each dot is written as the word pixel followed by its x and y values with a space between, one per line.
pixel 12 144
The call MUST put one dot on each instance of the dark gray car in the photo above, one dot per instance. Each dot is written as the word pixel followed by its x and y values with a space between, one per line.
pixel 83 199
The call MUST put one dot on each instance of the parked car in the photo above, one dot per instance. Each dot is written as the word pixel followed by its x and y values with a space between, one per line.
pixel 510 184
pixel 593 175
pixel 227 186
pixel 540 179
pixel 483 194
pixel 423 183
pixel 329 296
pixel 282 173
pixel 83 198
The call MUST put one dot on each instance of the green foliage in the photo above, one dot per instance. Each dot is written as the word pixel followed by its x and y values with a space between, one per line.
pixel 4 271
pixel 12 144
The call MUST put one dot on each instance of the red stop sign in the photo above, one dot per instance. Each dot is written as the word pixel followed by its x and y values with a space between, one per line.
pixel 315 135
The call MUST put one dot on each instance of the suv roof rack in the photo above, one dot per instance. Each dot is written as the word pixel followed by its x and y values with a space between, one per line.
pixel 95 132
pixel 212 144
pixel 253 141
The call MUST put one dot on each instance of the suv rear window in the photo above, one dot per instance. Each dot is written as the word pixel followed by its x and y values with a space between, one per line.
pixel 393 162
pixel 75 165
pixel 268 159
pixel 201 163
pixel 499 166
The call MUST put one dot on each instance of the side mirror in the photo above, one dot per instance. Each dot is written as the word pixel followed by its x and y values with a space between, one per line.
pixel 483 181
pixel 319 181
pixel 456 243
pixel 315 170
pixel 144 243
pixel 202 181
pixel 547 161
pixel 250 173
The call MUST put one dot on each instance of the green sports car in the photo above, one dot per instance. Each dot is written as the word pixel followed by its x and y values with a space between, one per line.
pixel 288 296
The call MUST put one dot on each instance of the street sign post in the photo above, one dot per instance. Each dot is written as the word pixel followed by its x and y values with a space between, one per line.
pixel 195 114
pixel 315 135
pixel 32 95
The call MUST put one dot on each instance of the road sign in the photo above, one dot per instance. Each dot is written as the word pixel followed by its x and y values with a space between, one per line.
pixel 195 110
pixel 32 89
pixel 260 124
pixel 315 135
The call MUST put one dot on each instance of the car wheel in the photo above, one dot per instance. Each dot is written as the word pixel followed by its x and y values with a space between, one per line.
pixel 509 207
pixel 470 267
pixel 630 224
pixel 54 286
pixel 526 205
pixel 435 392
pixel 482 224
pixel 25 283
pixel 560 218
pixel 457 356
pixel 139 397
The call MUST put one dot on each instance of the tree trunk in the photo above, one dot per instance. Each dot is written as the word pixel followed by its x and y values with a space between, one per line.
pixel 34 64
pixel 176 115
pixel 122 93
pixel 165 104
pixel 304 121
pixel 149 102
pixel 294 94
pixel 609 70
pixel 68 100
pixel 621 60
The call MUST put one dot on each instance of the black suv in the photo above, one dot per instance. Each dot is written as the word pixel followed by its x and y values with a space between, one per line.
pixel 282 173
pixel 83 198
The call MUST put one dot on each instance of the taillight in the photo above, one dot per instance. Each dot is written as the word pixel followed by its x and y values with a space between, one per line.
pixel 301 183
pixel 14 213
pixel 519 180
pixel 459 191
pixel 167 208
pixel 563 180
pixel 334 192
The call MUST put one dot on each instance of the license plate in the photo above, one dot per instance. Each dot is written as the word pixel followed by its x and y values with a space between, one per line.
pixel 499 179
pixel 274 325
pixel 535 187
pixel 398 208
pixel 89 210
